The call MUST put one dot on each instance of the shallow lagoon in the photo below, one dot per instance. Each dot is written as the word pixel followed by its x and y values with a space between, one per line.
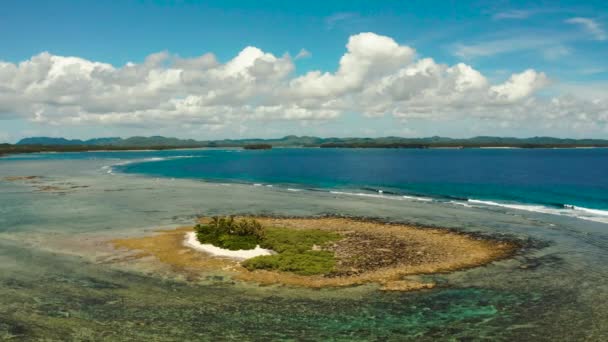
pixel 55 283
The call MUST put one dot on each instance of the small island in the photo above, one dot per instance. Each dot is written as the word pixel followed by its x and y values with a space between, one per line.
pixel 314 252
pixel 257 147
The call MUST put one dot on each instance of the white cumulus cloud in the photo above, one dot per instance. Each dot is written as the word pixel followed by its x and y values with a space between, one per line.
pixel 303 54
pixel 376 76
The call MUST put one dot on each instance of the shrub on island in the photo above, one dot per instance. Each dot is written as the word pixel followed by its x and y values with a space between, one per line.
pixel 298 251
pixel 228 233
pixel 307 263
pixel 258 147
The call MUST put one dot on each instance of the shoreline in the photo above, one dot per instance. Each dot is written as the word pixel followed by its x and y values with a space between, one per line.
pixel 192 242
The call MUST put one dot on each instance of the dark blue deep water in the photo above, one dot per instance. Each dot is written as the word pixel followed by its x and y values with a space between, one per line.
pixel 551 177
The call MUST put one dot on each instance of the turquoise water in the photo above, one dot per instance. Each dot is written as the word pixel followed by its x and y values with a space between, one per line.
pixel 569 182
pixel 56 283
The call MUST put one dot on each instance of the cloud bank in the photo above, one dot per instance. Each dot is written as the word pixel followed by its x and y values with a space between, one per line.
pixel 375 77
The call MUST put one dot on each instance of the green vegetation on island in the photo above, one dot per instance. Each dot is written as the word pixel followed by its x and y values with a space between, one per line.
pixel 258 147
pixel 297 251
pixel 228 233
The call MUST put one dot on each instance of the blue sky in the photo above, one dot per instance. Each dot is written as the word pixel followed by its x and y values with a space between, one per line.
pixel 565 43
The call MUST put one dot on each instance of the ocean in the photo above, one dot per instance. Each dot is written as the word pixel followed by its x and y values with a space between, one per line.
pixel 569 182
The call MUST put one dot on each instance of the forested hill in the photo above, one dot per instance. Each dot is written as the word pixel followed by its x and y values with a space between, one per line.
pixel 306 141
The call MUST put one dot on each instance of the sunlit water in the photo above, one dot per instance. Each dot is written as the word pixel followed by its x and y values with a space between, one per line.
pixel 556 289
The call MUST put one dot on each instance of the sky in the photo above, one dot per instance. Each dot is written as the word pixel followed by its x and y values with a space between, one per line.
pixel 241 69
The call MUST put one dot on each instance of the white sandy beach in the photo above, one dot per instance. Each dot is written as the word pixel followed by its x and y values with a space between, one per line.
pixel 192 242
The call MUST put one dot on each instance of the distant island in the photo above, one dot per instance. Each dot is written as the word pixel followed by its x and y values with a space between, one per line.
pixel 48 144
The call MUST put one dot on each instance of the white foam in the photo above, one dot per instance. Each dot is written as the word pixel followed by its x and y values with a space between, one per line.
pixel 294 190
pixel 595 215
pixel 535 208
pixel 127 162
pixel 110 168
pixel 383 196
pixel 361 194
pixel 591 211
pixel 464 204
pixel 242 254
pixel 417 198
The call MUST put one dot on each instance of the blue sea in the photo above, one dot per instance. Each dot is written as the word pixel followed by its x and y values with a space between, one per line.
pixel 571 182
